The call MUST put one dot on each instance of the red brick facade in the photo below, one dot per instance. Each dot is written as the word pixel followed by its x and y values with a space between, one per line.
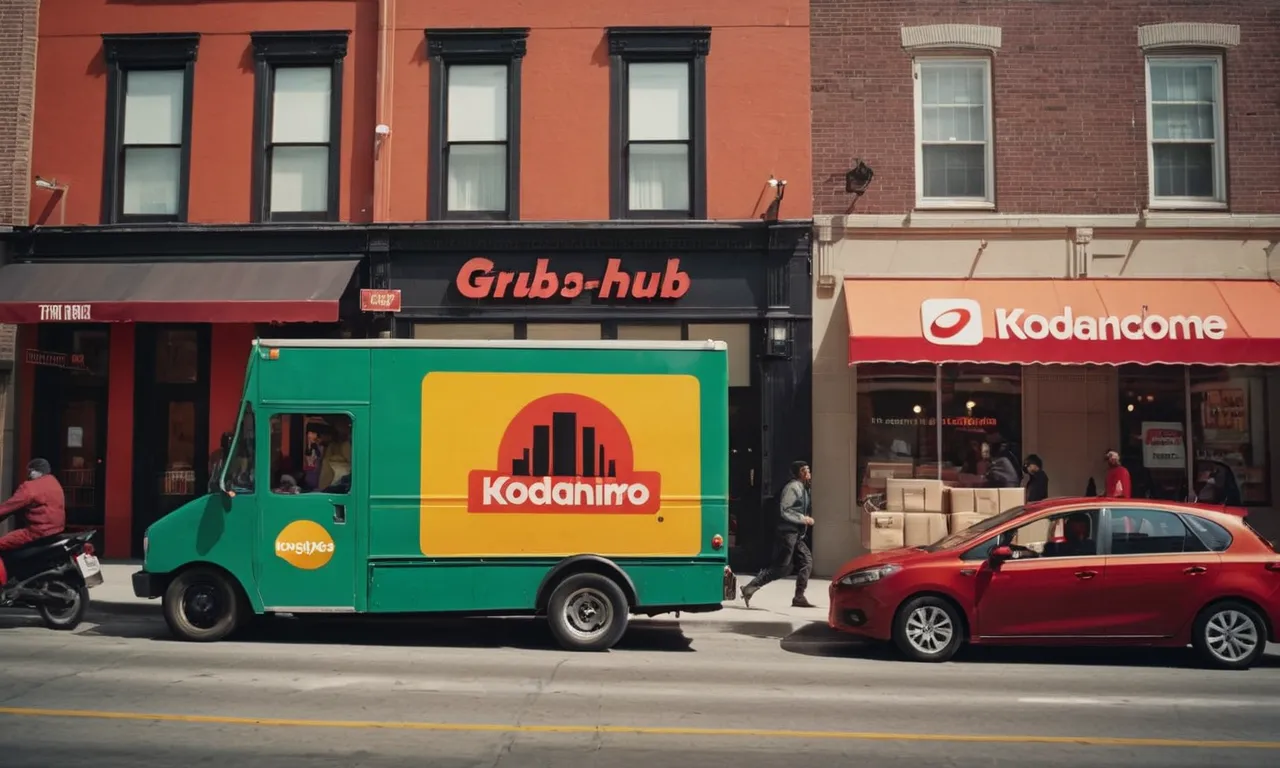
pixel 17 102
pixel 1068 93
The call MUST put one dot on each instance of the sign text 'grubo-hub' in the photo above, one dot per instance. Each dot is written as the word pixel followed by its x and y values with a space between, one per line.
pixel 478 280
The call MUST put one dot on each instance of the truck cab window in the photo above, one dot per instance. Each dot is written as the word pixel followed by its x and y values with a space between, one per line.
pixel 311 453
pixel 239 471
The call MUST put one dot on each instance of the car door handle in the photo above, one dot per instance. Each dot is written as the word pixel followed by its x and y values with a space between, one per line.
pixel 1194 570
pixel 1085 575
pixel 339 514
pixel 968 571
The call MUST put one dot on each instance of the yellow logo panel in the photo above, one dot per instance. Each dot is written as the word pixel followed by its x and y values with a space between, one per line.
pixel 542 464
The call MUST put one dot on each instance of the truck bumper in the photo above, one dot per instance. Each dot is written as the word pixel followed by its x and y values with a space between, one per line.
pixel 147 585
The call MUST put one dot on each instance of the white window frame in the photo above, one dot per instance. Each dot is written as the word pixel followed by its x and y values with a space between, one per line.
pixel 988 201
pixel 1219 199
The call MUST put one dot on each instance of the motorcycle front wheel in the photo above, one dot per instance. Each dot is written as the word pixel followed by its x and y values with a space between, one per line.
pixel 65 615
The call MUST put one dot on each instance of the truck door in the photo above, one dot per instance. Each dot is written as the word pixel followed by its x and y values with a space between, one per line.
pixel 312 504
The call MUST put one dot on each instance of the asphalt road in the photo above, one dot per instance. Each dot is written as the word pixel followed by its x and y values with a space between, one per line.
pixel 497 693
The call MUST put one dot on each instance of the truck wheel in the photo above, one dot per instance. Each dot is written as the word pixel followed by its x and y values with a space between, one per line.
pixel 588 612
pixel 1229 635
pixel 67 615
pixel 927 629
pixel 201 605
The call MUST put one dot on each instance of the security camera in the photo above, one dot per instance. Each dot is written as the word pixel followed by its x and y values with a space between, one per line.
pixel 382 129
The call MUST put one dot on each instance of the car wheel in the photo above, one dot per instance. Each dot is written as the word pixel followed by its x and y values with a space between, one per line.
pixel 1230 635
pixel 202 605
pixel 928 629
pixel 588 612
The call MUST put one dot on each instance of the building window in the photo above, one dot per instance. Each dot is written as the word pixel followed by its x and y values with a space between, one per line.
pixel 1184 130
pixel 474 130
pixel 148 128
pixel 954 158
pixel 298 125
pixel 658 122
pixel 1229 434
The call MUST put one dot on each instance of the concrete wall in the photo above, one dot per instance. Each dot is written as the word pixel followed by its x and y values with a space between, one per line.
pixel 1069 416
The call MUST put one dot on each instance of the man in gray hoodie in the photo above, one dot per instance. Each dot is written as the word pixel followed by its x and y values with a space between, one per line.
pixel 789 545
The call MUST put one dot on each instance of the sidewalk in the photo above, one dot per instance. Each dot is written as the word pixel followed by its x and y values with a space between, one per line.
pixel 771 605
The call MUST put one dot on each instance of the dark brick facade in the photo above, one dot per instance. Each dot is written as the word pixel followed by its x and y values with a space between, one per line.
pixel 1069 95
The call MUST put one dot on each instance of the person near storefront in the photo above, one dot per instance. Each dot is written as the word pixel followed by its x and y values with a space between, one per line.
pixel 789 546
pixel 42 503
pixel 1037 480
pixel 1118 485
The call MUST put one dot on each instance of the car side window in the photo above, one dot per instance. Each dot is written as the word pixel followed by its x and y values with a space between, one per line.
pixel 1208 534
pixel 1069 534
pixel 1149 532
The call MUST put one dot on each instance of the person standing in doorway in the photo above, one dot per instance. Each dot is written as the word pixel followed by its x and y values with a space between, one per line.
pixel 789 546
pixel 1118 484
pixel 1037 480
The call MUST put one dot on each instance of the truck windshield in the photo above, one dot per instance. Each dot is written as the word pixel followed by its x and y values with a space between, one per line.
pixel 237 473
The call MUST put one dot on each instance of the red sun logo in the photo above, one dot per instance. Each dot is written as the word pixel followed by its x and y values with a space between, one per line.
pixel 564 453
pixel 950 323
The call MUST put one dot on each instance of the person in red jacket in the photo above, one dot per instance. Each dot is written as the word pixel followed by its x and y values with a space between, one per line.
pixel 44 504
pixel 1118 485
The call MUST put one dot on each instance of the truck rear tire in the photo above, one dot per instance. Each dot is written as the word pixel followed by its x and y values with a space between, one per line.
pixel 588 612
pixel 201 605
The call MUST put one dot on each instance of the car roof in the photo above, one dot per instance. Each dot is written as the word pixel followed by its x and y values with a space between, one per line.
pixel 1181 506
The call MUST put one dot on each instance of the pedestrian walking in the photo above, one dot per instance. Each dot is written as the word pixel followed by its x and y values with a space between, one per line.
pixel 789 548
pixel 1119 485
pixel 1037 480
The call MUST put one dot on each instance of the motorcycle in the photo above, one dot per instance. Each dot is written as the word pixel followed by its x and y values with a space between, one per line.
pixel 52 575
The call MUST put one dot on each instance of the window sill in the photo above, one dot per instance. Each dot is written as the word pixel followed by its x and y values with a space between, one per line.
pixel 1176 205
pixel 955 205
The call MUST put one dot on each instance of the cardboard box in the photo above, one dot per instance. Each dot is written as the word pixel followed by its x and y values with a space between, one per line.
pixel 1012 497
pixel 960 501
pixel 986 501
pixel 1033 535
pixel 913 495
pixel 924 528
pixel 882 530
pixel 959 522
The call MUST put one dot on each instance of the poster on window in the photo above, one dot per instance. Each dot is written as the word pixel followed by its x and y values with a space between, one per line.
pixel 1163 445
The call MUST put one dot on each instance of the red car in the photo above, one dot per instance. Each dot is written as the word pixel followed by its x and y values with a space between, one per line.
pixel 1085 571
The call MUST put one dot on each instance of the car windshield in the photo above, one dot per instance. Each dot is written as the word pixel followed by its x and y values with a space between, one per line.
pixel 960 538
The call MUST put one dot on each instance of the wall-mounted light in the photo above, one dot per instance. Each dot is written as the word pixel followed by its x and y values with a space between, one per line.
pixel 61 190
pixel 778 339
pixel 779 190
pixel 858 178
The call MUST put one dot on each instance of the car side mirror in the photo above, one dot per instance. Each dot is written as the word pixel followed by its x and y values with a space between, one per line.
pixel 1003 552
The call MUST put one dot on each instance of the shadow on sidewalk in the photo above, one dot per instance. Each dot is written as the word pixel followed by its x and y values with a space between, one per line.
pixel 821 640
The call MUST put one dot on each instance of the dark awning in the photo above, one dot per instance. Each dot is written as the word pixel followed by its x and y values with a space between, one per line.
pixel 174 292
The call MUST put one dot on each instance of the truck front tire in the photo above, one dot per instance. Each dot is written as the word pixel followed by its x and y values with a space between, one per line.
pixel 588 612
pixel 202 605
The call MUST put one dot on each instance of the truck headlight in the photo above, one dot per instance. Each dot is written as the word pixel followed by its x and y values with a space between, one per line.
pixel 866 576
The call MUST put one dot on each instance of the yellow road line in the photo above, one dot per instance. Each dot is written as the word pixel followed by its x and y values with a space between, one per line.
pixel 275 722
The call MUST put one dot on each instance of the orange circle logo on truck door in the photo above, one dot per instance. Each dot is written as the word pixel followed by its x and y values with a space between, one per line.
pixel 305 544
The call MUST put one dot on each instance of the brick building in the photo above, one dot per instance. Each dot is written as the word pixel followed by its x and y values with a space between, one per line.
pixel 232 169
pixel 1109 160
pixel 17 96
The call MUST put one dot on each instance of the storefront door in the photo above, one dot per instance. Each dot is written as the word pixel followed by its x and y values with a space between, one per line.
pixel 748 541
pixel 70 424
pixel 171 433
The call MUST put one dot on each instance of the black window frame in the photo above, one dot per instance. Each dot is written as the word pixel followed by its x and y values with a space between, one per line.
pixel 628 45
pixel 163 51
pixel 448 47
pixel 310 48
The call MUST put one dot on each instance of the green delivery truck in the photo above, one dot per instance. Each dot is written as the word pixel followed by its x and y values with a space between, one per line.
pixel 582 481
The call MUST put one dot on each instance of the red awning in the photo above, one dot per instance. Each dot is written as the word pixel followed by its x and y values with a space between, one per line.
pixel 174 292
pixel 1106 322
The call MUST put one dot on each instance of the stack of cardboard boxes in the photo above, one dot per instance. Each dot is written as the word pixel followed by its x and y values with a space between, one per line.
pixel 919 512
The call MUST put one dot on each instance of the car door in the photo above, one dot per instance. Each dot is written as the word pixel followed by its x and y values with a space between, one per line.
pixel 308 558
pixel 1054 593
pixel 1158 572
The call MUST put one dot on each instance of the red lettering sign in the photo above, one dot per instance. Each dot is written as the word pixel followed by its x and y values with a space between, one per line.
pixel 375 300
pixel 478 280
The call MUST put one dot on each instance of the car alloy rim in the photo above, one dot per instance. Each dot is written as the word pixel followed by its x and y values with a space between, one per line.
pixel 587 613
pixel 1231 635
pixel 929 629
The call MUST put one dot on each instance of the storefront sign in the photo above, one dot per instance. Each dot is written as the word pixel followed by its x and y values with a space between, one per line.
pixel 55 359
pixel 478 280
pixel 958 322
pixel 379 300
pixel 69 313
pixel 1163 446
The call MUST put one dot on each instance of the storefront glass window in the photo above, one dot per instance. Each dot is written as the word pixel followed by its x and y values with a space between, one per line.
pixel 981 413
pixel 1229 434
pixel 897 424
pixel 1153 415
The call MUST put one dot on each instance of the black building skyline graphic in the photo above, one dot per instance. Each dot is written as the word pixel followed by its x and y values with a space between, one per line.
pixel 559 448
